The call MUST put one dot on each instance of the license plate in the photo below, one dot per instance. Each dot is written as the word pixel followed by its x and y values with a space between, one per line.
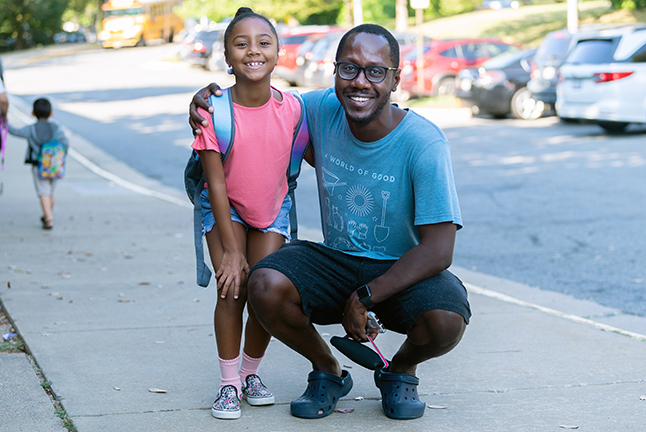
pixel 576 84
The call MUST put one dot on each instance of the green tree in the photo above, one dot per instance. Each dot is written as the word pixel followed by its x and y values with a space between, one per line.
pixel 30 22
pixel 85 13
pixel 306 12
pixel 628 4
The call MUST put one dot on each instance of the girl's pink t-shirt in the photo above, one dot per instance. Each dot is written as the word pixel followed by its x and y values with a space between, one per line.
pixel 256 168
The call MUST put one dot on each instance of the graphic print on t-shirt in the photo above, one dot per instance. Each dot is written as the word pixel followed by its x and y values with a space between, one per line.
pixel 355 211
pixel 330 181
pixel 381 230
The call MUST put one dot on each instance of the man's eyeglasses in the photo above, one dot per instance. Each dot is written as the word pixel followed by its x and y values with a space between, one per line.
pixel 375 74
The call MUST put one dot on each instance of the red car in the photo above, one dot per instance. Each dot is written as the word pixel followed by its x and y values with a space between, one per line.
pixel 290 42
pixel 443 60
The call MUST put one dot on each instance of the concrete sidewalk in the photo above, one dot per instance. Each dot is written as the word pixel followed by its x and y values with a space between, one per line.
pixel 108 306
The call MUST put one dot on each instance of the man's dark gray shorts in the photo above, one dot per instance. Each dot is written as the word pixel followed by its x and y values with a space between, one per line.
pixel 326 277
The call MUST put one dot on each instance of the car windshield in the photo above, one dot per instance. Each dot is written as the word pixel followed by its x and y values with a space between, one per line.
pixel 293 40
pixel 553 47
pixel 593 51
pixel 412 55
pixel 208 36
pixel 504 60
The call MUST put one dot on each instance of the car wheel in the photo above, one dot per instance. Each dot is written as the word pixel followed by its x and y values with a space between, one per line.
pixel 613 127
pixel 446 87
pixel 524 106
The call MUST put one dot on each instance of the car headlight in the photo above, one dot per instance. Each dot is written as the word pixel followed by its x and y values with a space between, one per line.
pixel 407 70
pixel 549 72
pixel 465 85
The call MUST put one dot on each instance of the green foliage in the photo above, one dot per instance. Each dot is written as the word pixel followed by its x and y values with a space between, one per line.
pixel 306 12
pixel 30 22
pixel 83 12
pixel 378 10
pixel 454 7
pixel 628 4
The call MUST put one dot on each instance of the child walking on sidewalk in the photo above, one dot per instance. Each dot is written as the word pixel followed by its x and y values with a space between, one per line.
pixel 245 205
pixel 43 131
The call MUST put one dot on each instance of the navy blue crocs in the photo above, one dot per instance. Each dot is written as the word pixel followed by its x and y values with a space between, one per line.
pixel 321 395
pixel 399 395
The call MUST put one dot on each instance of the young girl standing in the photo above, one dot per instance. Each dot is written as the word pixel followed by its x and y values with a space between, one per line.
pixel 245 206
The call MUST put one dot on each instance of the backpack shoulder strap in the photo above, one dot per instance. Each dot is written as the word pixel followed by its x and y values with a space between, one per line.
pixel 224 133
pixel 222 118
pixel 300 144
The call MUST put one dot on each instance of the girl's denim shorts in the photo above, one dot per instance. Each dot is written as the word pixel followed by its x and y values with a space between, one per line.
pixel 280 225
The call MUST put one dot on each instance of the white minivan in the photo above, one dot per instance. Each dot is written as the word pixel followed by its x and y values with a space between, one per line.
pixel 604 79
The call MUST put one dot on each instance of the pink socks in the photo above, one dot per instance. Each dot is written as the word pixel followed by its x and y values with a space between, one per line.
pixel 249 366
pixel 229 374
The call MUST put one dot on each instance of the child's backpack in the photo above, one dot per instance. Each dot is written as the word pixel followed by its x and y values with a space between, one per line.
pixel 51 160
pixel 224 131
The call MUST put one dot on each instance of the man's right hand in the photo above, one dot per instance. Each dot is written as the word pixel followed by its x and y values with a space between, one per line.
pixel 200 100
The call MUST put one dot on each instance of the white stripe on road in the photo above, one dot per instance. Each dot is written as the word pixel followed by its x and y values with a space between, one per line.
pixel 575 318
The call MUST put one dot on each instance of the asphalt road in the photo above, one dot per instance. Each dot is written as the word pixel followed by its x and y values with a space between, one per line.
pixel 556 206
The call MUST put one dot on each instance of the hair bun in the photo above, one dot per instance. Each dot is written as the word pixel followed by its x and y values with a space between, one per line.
pixel 243 10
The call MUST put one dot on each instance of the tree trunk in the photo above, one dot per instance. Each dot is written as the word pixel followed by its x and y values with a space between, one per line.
pixel 401 15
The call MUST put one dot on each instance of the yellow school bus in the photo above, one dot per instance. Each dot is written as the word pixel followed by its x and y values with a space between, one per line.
pixel 135 22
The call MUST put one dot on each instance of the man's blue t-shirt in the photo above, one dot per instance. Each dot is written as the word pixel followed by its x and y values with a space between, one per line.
pixel 373 194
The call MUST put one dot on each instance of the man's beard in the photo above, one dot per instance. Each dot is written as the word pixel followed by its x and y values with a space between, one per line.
pixel 371 117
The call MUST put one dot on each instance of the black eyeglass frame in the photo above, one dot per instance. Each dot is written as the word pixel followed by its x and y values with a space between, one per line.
pixel 363 69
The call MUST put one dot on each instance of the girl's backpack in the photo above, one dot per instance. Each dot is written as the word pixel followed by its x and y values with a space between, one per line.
pixel 224 131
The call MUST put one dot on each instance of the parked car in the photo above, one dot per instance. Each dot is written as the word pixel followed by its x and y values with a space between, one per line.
pixel 500 4
pixel 317 69
pixel 499 87
pixel 443 59
pixel 604 79
pixel 551 54
pixel 197 48
pixel 291 41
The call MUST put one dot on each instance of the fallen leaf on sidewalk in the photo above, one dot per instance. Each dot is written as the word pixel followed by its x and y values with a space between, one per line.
pixel 344 410
pixel 156 390
pixel 568 427
pixel 144 283
pixel 435 406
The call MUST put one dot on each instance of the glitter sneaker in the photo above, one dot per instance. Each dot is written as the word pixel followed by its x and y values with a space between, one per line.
pixel 255 391
pixel 227 405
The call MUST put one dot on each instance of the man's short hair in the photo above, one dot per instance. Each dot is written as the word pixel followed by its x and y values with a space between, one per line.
pixel 42 108
pixel 375 30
